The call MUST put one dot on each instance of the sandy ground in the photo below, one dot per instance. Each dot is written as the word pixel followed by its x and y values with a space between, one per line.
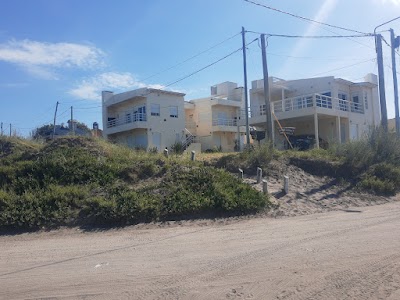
pixel 333 255
pixel 310 194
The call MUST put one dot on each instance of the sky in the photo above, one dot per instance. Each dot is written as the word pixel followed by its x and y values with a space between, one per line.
pixel 70 50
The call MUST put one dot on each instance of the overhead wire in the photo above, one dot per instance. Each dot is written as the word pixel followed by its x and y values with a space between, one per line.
pixel 345 67
pixel 310 36
pixel 192 57
pixel 302 18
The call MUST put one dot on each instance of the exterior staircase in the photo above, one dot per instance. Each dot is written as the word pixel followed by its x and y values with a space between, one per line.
pixel 189 138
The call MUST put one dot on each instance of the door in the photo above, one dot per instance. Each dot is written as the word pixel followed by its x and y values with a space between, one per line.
pixel 157 140
pixel 343 133
pixel 354 131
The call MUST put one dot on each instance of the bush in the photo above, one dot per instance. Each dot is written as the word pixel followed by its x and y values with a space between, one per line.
pixel 80 181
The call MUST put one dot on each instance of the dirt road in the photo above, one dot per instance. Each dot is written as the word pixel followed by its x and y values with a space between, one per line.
pixel 335 255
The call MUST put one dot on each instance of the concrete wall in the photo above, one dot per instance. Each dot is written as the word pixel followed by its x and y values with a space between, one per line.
pixel 162 131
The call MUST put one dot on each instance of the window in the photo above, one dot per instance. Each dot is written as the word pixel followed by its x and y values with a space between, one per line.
pixel 356 106
pixel 173 111
pixel 342 101
pixel 139 114
pixel 365 100
pixel 155 109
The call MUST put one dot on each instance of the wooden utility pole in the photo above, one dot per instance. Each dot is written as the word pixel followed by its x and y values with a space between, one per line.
pixel 72 129
pixel 382 96
pixel 246 99
pixel 54 123
pixel 10 129
pixel 268 127
pixel 395 44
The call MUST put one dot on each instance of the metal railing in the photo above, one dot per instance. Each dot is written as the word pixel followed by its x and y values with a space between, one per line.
pixel 128 118
pixel 224 122
pixel 307 101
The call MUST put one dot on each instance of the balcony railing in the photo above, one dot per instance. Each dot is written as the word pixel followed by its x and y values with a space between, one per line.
pixel 129 118
pixel 224 122
pixel 307 101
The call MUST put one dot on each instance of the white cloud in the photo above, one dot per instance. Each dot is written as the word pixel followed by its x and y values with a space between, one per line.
pixel 323 13
pixel 41 59
pixel 91 88
pixel 395 2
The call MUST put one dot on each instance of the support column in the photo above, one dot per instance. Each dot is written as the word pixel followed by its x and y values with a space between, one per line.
pixel 338 131
pixel 273 132
pixel 316 130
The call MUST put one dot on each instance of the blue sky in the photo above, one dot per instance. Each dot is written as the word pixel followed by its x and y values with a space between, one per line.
pixel 70 50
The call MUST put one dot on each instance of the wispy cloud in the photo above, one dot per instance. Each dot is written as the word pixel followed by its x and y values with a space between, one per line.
pixel 43 59
pixel 323 13
pixel 395 2
pixel 91 88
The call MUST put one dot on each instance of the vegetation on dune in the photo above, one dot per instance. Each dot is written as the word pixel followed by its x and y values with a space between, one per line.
pixel 83 181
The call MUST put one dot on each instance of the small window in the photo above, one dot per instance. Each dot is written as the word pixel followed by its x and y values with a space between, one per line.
pixel 366 100
pixel 155 109
pixel 173 111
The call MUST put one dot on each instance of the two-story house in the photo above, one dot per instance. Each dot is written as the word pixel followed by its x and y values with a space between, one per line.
pixel 214 120
pixel 144 118
pixel 333 109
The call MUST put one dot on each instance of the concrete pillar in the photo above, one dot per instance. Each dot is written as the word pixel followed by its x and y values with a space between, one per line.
pixel 240 173
pixel 265 186
pixel 193 156
pixel 316 130
pixel 259 175
pixel 286 184
pixel 338 130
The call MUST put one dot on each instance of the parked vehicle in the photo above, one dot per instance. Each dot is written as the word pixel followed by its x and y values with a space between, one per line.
pixel 305 142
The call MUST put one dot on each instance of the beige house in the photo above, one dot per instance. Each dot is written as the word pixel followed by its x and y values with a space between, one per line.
pixel 215 120
pixel 333 109
pixel 144 118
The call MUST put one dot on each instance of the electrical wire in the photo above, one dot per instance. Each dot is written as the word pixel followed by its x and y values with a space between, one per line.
pixel 345 67
pixel 192 57
pixel 311 36
pixel 209 65
pixel 303 18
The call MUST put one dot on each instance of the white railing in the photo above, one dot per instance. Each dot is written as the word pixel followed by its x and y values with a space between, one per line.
pixel 224 122
pixel 307 101
pixel 129 118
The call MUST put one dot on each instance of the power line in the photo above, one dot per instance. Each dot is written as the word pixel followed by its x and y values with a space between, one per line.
pixel 311 36
pixel 209 65
pixel 345 67
pixel 303 18
pixel 192 57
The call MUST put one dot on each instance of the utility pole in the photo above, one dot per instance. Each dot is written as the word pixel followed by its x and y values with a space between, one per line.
pixel 382 96
pixel 394 43
pixel 1 128
pixel 10 129
pixel 246 99
pixel 54 123
pixel 268 127
pixel 72 122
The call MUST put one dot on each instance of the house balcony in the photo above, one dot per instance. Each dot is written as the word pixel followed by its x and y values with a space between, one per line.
pixel 225 102
pixel 228 125
pixel 307 105
pixel 129 122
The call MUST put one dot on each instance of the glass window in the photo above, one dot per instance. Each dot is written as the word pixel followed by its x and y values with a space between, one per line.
pixel 173 111
pixel 155 109
pixel 366 100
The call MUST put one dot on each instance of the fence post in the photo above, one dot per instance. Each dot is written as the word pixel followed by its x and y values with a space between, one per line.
pixel 166 152
pixel 259 175
pixel 240 173
pixel 286 184
pixel 193 156
pixel 265 186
